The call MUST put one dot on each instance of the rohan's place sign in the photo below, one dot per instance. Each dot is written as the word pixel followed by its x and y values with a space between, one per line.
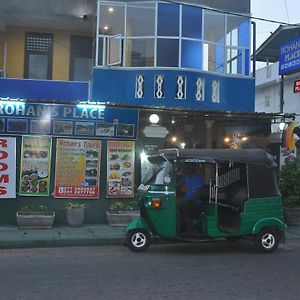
pixel 289 59
pixel 18 117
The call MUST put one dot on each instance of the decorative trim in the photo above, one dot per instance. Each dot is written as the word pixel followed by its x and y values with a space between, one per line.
pixel 200 89
pixel 215 94
pixel 180 87
pixel 139 86
pixel 159 91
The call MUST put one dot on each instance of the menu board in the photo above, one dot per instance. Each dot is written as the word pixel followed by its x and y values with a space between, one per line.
pixel 77 169
pixel 35 166
pixel 120 169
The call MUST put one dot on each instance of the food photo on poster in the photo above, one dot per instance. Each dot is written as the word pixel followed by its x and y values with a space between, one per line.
pixel 35 166
pixel 120 169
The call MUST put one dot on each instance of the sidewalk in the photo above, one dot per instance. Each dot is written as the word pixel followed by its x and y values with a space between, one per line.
pixel 88 235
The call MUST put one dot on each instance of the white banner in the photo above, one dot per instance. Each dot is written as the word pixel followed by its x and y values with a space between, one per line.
pixel 7 167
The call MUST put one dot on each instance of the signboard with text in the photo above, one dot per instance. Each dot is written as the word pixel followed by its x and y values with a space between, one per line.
pixel 77 171
pixel 120 169
pixel 297 86
pixel 23 118
pixel 289 59
pixel 7 167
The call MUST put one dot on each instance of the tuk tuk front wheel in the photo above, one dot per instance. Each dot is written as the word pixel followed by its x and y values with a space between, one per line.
pixel 267 240
pixel 137 240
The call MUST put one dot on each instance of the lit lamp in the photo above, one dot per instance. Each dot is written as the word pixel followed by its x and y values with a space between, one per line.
pixel 154 130
pixel 226 139
pixel 154 119
pixel 174 139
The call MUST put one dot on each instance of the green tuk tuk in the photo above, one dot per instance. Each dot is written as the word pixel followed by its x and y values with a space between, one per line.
pixel 239 198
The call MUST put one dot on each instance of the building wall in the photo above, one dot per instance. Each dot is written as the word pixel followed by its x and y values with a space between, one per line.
pixel 15 38
pixel 267 91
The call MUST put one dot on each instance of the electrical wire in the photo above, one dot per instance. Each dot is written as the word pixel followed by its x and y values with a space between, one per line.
pixel 286 10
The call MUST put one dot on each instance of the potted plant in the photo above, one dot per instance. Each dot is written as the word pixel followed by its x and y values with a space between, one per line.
pixel 120 213
pixel 32 216
pixel 290 190
pixel 75 213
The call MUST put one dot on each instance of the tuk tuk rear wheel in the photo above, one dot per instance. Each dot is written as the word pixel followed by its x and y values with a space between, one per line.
pixel 137 240
pixel 267 240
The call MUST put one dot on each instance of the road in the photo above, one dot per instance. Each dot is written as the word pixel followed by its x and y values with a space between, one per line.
pixel 215 270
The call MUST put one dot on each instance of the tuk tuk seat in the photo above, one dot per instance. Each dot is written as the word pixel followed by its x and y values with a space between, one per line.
pixel 236 196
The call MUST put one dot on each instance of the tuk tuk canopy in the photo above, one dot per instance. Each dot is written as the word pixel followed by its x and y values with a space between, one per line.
pixel 262 176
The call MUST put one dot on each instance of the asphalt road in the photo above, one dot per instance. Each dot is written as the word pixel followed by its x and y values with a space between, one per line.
pixel 222 270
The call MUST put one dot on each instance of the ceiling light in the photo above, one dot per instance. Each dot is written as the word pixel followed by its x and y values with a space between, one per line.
pixel 154 119
pixel 174 139
pixel 111 9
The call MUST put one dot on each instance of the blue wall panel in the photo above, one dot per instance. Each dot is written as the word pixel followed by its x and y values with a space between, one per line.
pixel 118 86
pixel 59 91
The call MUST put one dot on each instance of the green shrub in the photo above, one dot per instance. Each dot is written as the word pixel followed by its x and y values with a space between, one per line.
pixel 72 204
pixel 119 206
pixel 290 183
pixel 28 209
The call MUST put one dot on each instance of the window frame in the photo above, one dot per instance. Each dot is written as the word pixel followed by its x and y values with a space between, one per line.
pixel 49 54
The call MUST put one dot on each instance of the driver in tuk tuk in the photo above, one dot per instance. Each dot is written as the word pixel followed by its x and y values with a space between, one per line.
pixel 189 189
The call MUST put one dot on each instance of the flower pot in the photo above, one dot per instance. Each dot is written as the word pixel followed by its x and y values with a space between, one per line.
pixel 35 220
pixel 121 218
pixel 75 216
pixel 292 215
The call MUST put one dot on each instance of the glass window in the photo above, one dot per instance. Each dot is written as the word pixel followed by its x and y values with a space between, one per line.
pixel 167 52
pixel 168 19
pixel 234 61
pixel 244 34
pixel 238 31
pixel 81 49
pixel 136 16
pixel 38 55
pixel 213 58
pixel 247 62
pixel 191 54
pixel 82 68
pixel 111 19
pixel 214 27
pixel 37 66
pixel 139 53
pixel 191 22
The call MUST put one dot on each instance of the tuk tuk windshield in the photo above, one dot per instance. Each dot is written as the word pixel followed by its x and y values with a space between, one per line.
pixel 158 173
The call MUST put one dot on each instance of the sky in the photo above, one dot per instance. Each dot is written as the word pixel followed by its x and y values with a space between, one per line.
pixel 278 10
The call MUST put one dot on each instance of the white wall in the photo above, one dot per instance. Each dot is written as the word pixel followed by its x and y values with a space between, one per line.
pixel 267 91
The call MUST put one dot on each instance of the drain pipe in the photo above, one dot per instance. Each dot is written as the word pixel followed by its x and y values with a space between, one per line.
pixel 254 49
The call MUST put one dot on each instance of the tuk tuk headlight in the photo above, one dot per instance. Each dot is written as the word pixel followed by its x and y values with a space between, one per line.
pixel 156 202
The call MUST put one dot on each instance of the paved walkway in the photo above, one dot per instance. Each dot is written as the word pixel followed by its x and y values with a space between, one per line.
pixel 87 235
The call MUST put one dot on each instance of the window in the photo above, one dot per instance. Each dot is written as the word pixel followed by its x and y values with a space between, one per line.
pixel 112 19
pixel 81 60
pixel 137 14
pixel 168 19
pixel 167 52
pixel 191 22
pixel 140 52
pixel 38 55
pixel 191 54
pixel 214 27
